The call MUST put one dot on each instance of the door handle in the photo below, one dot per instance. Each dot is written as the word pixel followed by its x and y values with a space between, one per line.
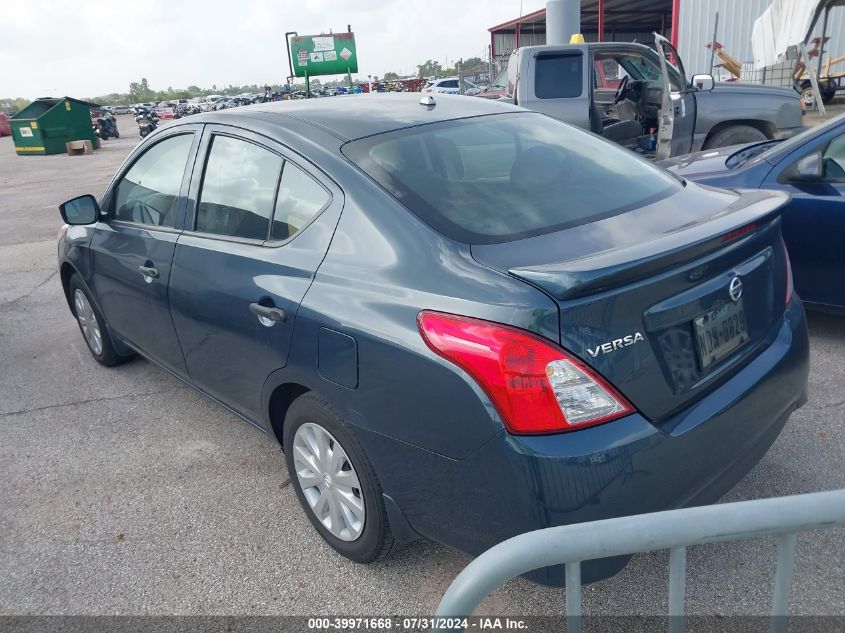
pixel 268 316
pixel 149 273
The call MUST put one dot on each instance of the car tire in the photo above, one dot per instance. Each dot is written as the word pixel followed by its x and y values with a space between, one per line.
pixel 735 135
pixel 828 95
pixel 92 325
pixel 808 96
pixel 308 416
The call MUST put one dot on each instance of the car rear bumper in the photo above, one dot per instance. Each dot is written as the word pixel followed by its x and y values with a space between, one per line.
pixel 516 484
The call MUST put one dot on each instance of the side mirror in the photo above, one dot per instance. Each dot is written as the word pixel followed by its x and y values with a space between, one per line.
pixel 81 210
pixel 808 169
pixel 703 82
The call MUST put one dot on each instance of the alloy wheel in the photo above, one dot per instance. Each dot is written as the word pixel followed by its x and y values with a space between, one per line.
pixel 328 481
pixel 88 322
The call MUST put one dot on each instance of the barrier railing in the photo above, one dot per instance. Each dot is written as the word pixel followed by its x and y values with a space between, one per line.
pixel 674 530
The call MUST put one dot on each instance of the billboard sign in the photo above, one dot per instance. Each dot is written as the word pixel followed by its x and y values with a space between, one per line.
pixel 332 54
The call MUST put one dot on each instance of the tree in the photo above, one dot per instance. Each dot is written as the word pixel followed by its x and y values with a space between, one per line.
pixel 430 67
pixel 473 63
pixel 390 76
pixel 139 92
pixel 13 106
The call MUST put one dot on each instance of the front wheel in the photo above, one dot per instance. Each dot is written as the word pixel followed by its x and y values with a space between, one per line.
pixel 92 325
pixel 735 135
pixel 334 481
pixel 808 95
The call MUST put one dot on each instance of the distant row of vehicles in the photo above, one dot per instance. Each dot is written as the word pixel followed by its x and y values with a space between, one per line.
pixel 176 108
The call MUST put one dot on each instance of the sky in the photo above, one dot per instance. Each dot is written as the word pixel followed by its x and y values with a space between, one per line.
pixel 87 49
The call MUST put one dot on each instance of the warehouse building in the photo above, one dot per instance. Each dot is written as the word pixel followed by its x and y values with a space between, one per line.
pixel 689 24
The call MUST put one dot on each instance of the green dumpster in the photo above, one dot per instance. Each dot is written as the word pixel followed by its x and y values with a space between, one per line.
pixel 47 124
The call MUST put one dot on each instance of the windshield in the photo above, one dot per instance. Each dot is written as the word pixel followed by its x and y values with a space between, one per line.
pixel 774 154
pixel 500 82
pixel 640 68
pixel 498 178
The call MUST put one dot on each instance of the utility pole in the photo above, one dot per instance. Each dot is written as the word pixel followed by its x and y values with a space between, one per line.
pixel 563 20
pixel 290 61
pixel 713 43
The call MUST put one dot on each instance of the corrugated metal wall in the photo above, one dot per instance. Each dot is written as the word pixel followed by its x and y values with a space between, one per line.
pixel 736 19
pixel 505 42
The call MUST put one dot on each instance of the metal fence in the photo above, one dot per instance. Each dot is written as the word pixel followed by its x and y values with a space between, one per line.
pixel 781 75
pixel 674 530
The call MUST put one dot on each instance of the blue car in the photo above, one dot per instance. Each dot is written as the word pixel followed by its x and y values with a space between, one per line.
pixel 811 168
pixel 462 320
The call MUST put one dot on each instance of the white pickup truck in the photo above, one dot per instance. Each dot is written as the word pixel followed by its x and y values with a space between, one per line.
pixel 641 98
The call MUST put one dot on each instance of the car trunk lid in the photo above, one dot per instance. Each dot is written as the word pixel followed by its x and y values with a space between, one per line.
pixel 645 297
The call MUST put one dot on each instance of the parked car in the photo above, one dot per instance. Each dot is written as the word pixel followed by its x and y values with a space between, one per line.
pixel 451 85
pixel 632 95
pixel 140 108
pixel 121 109
pixel 811 168
pixel 498 88
pixel 461 319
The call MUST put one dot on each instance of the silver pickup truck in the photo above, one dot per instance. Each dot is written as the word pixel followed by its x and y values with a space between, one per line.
pixel 634 95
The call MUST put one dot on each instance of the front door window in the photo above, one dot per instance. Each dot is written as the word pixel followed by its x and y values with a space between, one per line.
pixel 149 192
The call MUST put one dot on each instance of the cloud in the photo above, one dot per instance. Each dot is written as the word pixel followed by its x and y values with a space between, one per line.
pixel 89 49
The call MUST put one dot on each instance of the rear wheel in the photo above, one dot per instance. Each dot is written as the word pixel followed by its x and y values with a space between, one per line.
pixel 334 481
pixel 735 135
pixel 828 93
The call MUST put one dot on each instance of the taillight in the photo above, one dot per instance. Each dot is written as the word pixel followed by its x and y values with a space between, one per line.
pixel 788 273
pixel 732 235
pixel 535 385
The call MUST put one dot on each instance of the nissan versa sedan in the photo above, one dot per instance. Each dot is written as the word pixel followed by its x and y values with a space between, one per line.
pixel 811 168
pixel 461 319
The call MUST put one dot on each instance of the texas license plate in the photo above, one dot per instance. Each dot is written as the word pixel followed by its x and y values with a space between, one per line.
pixel 720 332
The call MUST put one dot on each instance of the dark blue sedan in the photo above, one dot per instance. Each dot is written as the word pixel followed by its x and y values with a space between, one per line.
pixel 811 168
pixel 461 319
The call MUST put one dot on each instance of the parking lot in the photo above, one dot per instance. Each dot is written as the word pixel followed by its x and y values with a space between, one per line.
pixel 123 491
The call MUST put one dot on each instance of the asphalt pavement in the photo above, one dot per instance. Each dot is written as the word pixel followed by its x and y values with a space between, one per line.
pixel 122 491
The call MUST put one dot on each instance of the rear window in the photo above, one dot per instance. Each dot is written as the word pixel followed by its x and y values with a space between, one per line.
pixel 499 178
pixel 559 76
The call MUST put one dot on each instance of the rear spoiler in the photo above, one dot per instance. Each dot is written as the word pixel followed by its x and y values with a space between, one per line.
pixel 617 267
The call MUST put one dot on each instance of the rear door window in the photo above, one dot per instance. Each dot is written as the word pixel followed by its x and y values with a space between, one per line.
pixel 149 192
pixel 559 75
pixel 299 201
pixel 238 189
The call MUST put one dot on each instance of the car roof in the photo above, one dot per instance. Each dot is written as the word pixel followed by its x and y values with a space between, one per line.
pixel 368 114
